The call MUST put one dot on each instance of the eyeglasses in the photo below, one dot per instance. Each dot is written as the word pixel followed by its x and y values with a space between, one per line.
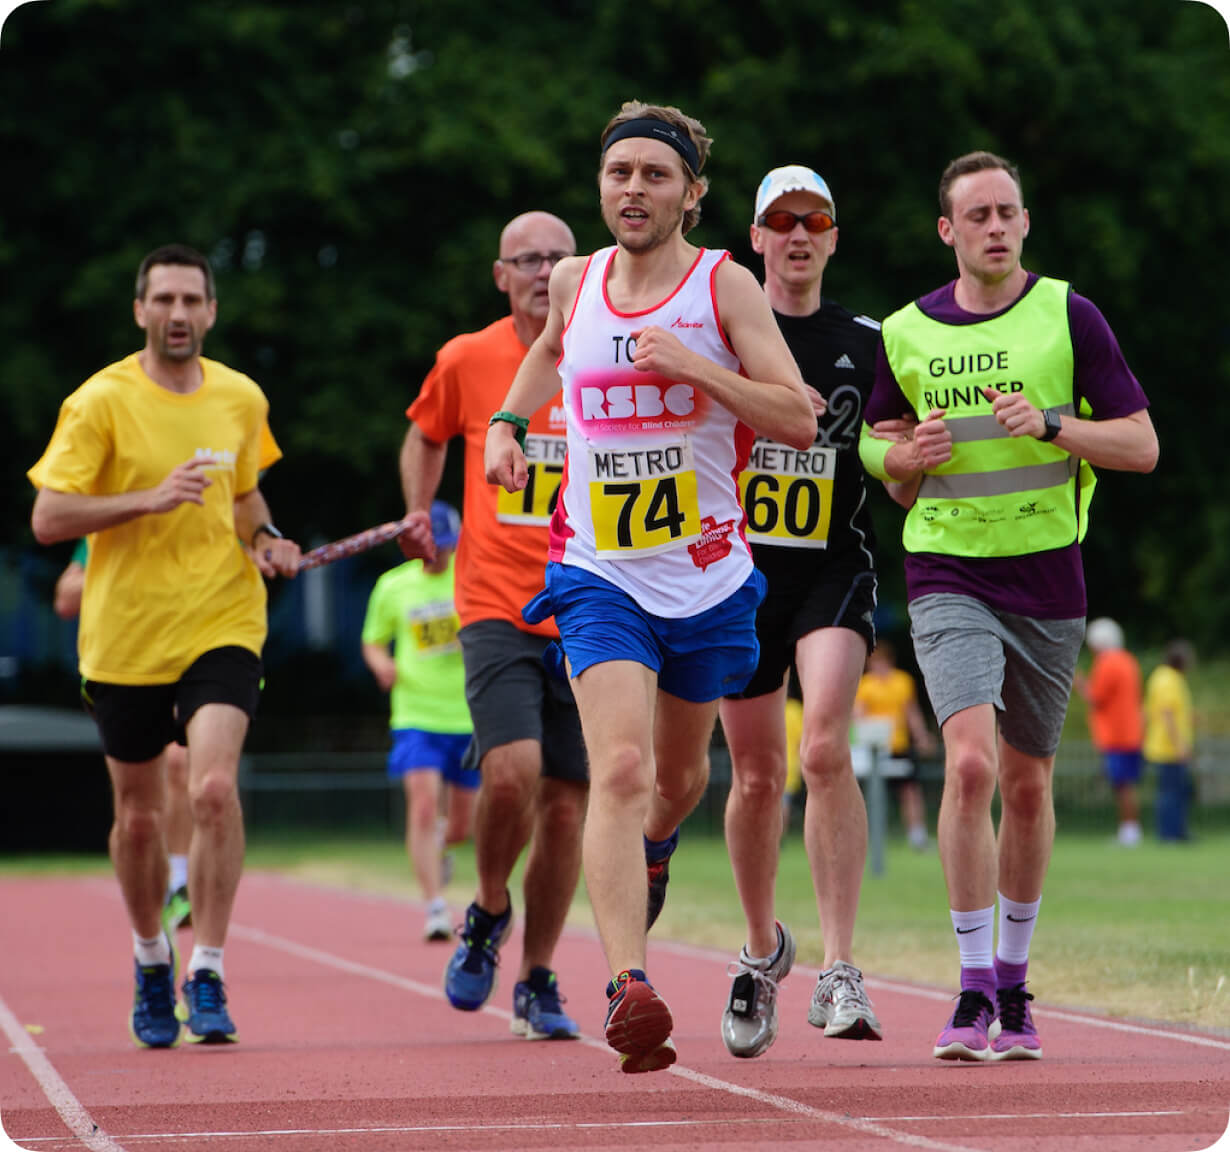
pixel 530 262
pixel 780 220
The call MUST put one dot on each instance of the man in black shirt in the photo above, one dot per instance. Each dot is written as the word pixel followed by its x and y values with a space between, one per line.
pixel 811 536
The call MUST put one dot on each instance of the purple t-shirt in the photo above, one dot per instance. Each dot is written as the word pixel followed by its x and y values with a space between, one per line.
pixel 1045 585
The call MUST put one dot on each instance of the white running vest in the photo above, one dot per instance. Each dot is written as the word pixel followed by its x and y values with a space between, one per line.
pixel 650 496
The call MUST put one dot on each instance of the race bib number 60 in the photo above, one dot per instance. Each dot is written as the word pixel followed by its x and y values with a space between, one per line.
pixel 643 500
pixel 788 495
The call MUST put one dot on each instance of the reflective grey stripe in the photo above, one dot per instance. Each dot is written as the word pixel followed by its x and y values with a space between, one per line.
pixel 967 428
pixel 999 483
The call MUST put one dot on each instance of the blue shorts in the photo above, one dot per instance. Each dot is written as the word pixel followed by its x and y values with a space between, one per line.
pixel 417 751
pixel 1123 767
pixel 697 658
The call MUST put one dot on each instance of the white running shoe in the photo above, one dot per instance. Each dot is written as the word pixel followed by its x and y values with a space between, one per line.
pixel 749 1024
pixel 840 1005
pixel 438 925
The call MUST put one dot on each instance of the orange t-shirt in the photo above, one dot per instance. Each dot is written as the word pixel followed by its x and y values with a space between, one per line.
pixel 1116 715
pixel 502 551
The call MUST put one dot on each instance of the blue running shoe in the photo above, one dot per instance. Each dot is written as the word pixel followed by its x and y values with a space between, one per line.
pixel 153 1023
pixel 469 978
pixel 537 1009
pixel 208 1020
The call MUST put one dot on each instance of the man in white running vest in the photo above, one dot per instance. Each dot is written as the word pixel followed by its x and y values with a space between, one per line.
pixel 671 362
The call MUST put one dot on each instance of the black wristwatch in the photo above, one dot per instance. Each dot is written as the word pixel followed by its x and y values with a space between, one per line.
pixel 268 530
pixel 1051 425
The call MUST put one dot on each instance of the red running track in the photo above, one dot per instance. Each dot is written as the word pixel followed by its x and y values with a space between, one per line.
pixel 348 1043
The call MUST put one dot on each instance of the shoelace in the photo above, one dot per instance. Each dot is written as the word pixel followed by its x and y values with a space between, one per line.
pixel 759 978
pixel 156 990
pixel 550 1000
pixel 479 947
pixel 208 994
pixel 970 1006
pixel 847 982
pixel 1013 1007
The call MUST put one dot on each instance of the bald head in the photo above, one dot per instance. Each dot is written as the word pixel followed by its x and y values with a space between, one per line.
pixel 524 278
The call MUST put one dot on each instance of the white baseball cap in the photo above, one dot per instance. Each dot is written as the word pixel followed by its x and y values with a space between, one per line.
pixel 791 178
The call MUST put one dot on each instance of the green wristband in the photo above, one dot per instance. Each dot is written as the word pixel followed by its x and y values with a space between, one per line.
pixel 519 422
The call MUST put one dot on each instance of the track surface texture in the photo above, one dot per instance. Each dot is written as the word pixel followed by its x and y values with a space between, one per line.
pixel 347 1042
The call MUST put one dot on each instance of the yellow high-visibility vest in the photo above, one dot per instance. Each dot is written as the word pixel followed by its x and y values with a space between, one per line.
pixel 997 496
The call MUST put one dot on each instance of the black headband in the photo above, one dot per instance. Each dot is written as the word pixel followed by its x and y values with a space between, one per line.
pixel 658 130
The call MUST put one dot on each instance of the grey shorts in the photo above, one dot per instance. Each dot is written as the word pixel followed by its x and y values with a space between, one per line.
pixel 512 696
pixel 970 653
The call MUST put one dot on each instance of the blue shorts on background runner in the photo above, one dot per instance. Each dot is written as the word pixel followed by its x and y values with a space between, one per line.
pixel 697 658
pixel 415 750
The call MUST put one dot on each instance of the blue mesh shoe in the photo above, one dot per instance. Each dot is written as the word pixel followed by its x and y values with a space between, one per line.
pixel 469 978
pixel 153 1023
pixel 537 1009
pixel 208 1020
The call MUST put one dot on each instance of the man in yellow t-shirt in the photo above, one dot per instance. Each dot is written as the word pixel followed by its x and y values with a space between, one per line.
pixel 156 459
pixel 886 692
pixel 1169 729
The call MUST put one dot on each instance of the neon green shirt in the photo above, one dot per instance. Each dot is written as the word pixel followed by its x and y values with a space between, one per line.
pixel 414 610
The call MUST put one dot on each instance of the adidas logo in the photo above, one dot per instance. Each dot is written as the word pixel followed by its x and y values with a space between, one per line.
pixel 843 361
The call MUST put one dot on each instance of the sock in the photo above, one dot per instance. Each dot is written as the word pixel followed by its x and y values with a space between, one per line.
pixel 1009 975
pixel 1016 929
pixel 439 904
pixel 656 850
pixel 979 980
pixel 974 936
pixel 179 872
pixel 155 950
pixel 203 957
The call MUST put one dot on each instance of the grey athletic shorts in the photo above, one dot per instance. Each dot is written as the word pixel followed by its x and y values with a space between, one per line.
pixel 512 696
pixel 970 653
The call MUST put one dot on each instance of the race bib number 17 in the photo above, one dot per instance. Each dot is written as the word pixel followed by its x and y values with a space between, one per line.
pixel 534 504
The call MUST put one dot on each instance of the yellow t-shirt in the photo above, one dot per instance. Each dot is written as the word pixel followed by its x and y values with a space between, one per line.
pixel 888 698
pixel 164 588
pixel 1167 691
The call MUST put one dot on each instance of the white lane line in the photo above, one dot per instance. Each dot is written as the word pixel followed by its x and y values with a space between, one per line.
pixel 771 1100
pixel 58 1093
pixel 939 995
pixel 1160 1032
pixel 577 1126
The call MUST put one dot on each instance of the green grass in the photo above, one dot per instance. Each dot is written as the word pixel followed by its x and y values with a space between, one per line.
pixel 1141 934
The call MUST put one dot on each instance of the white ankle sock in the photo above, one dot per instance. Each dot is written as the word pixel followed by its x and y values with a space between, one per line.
pixel 203 957
pixel 155 950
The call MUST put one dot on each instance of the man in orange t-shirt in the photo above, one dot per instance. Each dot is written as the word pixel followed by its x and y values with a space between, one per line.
pixel 1116 718
pixel 527 734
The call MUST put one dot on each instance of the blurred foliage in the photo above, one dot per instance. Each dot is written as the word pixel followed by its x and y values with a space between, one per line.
pixel 348 168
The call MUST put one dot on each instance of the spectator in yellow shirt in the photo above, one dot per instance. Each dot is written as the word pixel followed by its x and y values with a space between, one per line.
pixel 1169 738
pixel 887 692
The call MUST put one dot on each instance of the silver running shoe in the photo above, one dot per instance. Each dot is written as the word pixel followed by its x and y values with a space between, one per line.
pixel 840 1005
pixel 749 1024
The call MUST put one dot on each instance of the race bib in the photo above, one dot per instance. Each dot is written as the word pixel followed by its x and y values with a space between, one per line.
pixel 534 504
pixel 643 500
pixel 788 495
pixel 435 633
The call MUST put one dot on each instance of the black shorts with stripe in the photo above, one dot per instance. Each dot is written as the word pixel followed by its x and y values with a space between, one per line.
pixel 808 590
